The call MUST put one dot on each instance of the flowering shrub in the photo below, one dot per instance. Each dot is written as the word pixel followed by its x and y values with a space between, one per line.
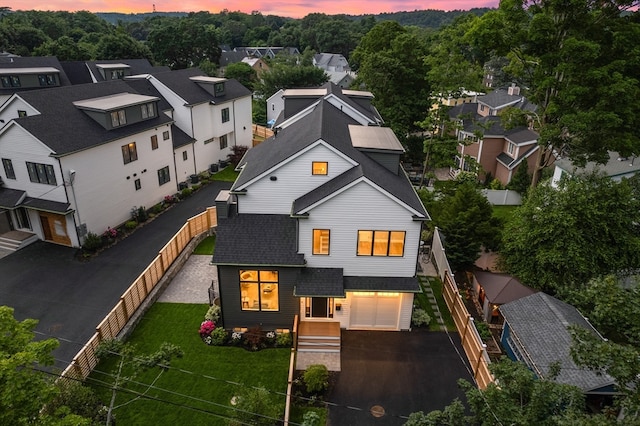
pixel 218 337
pixel 206 328
pixel 213 313
pixel 110 233
pixel 169 199
pixel 207 340
pixel 236 337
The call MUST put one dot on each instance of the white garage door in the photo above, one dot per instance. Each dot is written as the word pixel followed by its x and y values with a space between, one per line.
pixel 375 310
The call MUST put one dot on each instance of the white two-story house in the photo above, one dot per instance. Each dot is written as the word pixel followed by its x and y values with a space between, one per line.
pixel 214 112
pixel 322 222
pixel 78 159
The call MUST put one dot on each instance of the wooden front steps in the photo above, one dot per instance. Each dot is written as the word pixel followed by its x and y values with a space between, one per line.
pixel 319 337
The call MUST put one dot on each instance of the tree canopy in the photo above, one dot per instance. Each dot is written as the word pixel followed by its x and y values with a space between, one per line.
pixel 561 238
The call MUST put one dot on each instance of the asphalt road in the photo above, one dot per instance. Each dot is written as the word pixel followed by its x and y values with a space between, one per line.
pixel 69 297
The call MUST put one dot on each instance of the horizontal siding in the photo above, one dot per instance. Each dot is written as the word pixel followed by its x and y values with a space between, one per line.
pixel 20 146
pixel 104 185
pixel 362 207
pixel 10 111
pixel 406 308
pixel 232 314
pixel 294 179
pixel 183 169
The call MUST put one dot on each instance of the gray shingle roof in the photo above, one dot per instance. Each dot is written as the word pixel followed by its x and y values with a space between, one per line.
pixel 395 284
pixel 178 81
pixel 498 98
pixel 180 138
pixel 616 166
pixel 319 282
pixel 11 198
pixel 521 135
pixel 45 205
pixel 257 239
pixel 328 123
pixel 77 131
pixel 32 62
pixel 540 323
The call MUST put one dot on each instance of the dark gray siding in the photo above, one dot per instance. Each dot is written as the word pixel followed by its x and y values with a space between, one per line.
pixel 232 314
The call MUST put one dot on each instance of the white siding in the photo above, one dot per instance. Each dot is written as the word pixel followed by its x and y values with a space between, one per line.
pixel 241 115
pixel 361 207
pixel 294 179
pixel 9 111
pixel 105 187
pixel 275 105
pixel 20 146
pixel 184 169
pixel 406 308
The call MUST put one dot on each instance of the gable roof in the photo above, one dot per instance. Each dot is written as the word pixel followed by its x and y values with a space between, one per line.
pixel 233 57
pixel 502 288
pixel 257 239
pixel 77 131
pixel 327 123
pixel 499 98
pixel 178 82
pixel 539 323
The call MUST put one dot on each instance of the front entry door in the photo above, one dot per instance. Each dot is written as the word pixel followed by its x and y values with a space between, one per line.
pixel 54 228
pixel 318 307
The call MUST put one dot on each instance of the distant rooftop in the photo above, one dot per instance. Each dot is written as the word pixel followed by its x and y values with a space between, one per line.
pixel 373 137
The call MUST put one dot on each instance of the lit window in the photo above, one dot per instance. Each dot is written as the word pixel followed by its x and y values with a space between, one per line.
pixel 129 153
pixel 319 168
pixel 154 142
pixel 381 243
pixel 321 241
pixel 259 290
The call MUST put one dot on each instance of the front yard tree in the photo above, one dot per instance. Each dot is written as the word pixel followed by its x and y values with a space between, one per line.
pixel 561 238
pixel 23 389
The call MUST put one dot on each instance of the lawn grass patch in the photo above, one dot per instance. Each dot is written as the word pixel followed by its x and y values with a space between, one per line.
pixel 228 370
pixel 228 174
pixel 436 287
pixel 206 246
pixel 504 213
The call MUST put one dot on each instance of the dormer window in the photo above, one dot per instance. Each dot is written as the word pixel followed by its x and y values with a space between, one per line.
pixel 319 168
pixel 47 79
pixel 10 81
pixel 117 74
pixel 218 88
pixel 511 149
pixel 118 118
pixel 148 110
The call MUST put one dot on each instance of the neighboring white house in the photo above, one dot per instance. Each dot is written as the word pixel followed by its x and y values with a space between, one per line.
pixel 617 168
pixel 81 158
pixel 322 221
pixel 334 62
pixel 214 112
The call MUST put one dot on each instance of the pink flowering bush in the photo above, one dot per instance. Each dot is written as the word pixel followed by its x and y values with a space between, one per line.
pixel 110 233
pixel 206 328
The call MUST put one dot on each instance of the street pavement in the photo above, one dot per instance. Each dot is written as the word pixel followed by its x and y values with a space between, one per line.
pixel 70 297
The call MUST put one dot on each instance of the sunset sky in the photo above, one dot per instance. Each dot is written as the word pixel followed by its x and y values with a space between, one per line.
pixel 291 8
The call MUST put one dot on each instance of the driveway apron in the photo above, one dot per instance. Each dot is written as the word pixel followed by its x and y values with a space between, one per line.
pixel 395 374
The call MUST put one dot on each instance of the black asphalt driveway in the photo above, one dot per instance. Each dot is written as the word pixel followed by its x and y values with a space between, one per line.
pixel 44 281
pixel 402 372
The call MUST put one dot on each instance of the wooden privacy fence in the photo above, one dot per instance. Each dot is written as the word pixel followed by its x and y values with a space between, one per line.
pixel 85 360
pixel 475 350
pixel 260 133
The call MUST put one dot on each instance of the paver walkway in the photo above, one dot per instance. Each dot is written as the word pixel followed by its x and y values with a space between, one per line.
pixel 191 284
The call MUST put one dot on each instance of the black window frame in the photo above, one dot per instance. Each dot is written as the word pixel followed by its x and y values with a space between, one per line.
pixel 224 142
pixel 41 173
pixel 226 116
pixel 9 171
pixel 164 175
pixel 154 142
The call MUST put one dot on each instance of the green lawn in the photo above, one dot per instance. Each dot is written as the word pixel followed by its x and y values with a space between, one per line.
pixel 226 175
pixel 436 287
pixel 212 376
pixel 504 213
pixel 206 246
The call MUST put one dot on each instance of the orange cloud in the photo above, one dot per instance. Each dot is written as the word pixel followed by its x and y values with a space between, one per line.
pixel 290 8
